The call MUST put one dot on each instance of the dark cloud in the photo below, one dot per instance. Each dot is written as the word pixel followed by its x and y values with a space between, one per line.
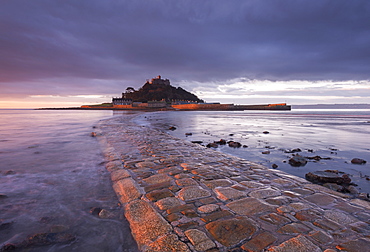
pixel 74 44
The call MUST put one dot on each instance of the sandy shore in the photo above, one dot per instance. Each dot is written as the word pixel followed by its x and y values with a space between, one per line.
pixel 179 196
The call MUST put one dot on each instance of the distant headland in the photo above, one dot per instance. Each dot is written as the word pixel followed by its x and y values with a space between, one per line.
pixel 158 94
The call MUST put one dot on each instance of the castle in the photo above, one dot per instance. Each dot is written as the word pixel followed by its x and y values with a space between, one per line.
pixel 159 80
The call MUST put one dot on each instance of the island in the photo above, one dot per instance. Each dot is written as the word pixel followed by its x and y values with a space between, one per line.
pixel 158 94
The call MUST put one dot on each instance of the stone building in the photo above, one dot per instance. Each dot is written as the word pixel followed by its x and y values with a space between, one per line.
pixel 121 101
pixel 159 80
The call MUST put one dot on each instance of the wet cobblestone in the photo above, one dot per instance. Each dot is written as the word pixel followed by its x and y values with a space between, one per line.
pixel 180 196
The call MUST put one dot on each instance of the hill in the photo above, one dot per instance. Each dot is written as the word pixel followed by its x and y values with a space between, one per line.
pixel 158 92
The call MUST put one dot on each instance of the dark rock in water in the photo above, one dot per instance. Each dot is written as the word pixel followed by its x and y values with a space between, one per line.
pixel 235 144
pixel 172 128
pixel 10 172
pixel 197 142
pixel 95 211
pixel 245 146
pixel 266 132
pixel 270 147
pixel 49 238
pixel 221 142
pixel 293 151
pixel 297 161
pixel 266 152
pixel 231 134
pixel 318 158
pixel 93 134
pixel 328 176
pixel 358 161
pixel 188 134
pixel 274 166
pixel 3 196
pixel 5 225
pixel 212 145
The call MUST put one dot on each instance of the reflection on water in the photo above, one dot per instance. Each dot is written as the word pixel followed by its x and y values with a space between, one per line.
pixel 338 134
pixel 51 175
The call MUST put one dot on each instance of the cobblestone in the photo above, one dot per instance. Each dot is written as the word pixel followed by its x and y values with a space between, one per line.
pixel 193 193
pixel 230 232
pixel 199 240
pixel 178 196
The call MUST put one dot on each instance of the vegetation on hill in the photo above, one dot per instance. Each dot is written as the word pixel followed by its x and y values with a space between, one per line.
pixel 158 92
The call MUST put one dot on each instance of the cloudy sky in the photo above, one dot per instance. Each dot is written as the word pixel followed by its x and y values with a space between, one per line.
pixel 68 53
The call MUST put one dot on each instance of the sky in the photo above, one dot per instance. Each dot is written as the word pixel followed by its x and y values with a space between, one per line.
pixel 69 53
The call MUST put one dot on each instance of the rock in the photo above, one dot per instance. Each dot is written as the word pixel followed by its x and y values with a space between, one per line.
pixel 265 193
pixel 126 190
pixel 197 142
pixel 299 243
pixel 318 158
pixel 221 142
pixel 234 144
pixel 167 203
pixel 265 132
pixel 147 225
pixel 105 214
pixel 192 193
pixel 49 238
pixel 328 176
pixel 3 196
pixel 188 134
pixel 5 225
pixel 230 232
pixel 212 145
pixel 352 190
pixel 199 240
pixel 208 208
pixel 297 161
pixel 361 244
pixel 172 128
pixel 265 152
pixel 358 161
pixel 293 151
pixel 10 172
pixel 274 166
pixel 93 134
pixel 245 146
pixel 169 242
pixel 95 210
pixel 334 187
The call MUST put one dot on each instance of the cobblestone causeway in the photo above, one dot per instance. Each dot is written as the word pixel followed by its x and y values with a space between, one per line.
pixel 179 196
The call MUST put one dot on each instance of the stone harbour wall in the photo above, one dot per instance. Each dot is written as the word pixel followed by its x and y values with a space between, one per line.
pixel 179 196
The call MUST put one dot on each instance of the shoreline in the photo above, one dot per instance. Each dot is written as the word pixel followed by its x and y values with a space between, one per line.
pixel 178 195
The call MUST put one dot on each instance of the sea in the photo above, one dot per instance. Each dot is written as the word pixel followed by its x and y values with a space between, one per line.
pixel 52 177
pixel 52 173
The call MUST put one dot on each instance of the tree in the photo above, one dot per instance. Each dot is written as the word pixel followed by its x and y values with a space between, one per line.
pixel 130 90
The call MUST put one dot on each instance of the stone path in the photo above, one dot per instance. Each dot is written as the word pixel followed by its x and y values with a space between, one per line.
pixel 179 196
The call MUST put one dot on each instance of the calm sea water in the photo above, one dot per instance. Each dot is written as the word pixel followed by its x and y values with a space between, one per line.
pixel 52 172
pixel 336 134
